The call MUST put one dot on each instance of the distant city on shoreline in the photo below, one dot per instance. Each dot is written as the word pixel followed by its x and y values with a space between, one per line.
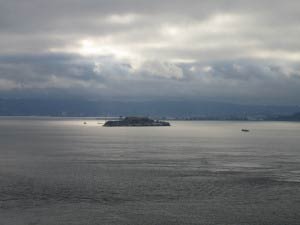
pixel 170 110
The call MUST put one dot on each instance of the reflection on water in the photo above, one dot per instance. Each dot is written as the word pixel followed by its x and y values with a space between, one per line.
pixel 62 171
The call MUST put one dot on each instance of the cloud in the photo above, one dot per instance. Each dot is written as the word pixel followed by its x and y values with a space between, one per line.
pixel 108 77
pixel 229 50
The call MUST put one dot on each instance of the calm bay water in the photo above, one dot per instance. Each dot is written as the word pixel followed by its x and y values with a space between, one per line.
pixel 60 171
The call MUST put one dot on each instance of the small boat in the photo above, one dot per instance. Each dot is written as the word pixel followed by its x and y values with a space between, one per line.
pixel 245 130
pixel 84 122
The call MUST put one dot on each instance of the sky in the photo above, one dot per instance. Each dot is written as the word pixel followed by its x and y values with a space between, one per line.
pixel 214 50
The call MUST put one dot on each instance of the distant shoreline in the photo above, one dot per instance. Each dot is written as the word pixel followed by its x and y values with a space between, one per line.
pixel 164 118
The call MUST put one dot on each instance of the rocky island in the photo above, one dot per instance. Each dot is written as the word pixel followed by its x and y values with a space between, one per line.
pixel 135 122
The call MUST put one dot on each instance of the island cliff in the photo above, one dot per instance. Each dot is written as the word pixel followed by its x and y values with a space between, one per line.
pixel 135 122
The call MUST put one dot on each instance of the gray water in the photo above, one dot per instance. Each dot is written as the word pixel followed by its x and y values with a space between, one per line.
pixel 60 171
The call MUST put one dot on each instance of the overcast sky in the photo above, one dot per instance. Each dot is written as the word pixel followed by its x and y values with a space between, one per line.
pixel 221 50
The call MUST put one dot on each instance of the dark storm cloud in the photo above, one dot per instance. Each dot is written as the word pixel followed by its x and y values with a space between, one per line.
pixel 107 77
pixel 231 50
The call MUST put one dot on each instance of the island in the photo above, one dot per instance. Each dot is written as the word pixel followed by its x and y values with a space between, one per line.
pixel 136 122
